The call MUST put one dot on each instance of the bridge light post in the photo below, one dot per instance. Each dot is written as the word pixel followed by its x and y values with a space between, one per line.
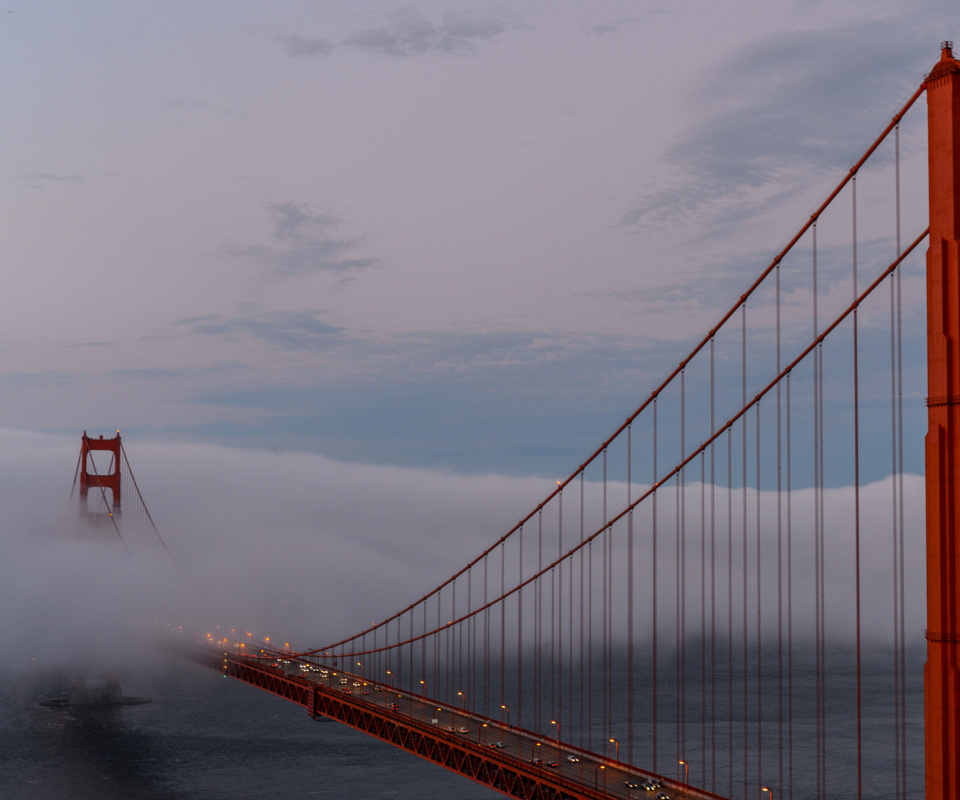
pixel 686 766
pixel 554 722
pixel 390 677
pixel 464 697
pixel 507 709
pixel 481 731
pixel 596 772
pixel 617 744
pixel 767 789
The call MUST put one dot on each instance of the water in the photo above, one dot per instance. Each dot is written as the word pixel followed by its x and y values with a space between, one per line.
pixel 204 736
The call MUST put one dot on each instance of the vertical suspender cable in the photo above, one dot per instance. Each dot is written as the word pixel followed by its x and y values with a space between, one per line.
pixel 682 569
pixel 569 660
pixel 538 647
pixel 629 601
pixel 555 610
pixel 703 609
pixel 779 557
pixel 856 483
pixel 581 615
pixel 743 492
pixel 653 592
pixel 713 575
pixel 789 781
pixel 519 697
pixel 816 526
pixel 899 478
pixel 589 643
pixel 759 637
pixel 730 607
pixel 606 621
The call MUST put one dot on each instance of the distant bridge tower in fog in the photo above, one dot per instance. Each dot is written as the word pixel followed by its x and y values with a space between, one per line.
pixel 102 511
pixel 93 479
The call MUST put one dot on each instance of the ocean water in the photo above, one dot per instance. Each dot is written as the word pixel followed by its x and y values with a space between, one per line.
pixel 204 737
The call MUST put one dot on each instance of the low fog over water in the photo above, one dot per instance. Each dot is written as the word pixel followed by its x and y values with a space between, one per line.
pixel 306 549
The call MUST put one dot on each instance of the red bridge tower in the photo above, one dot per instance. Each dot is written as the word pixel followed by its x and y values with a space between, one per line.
pixel 110 480
pixel 941 676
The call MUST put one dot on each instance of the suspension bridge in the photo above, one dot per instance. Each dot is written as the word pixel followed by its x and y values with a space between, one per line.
pixel 656 624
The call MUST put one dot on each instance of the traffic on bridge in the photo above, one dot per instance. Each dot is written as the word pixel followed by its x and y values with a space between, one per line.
pixel 543 767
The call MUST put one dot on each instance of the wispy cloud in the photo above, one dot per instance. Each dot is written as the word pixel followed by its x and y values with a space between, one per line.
pixel 406 32
pixel 781 109
pixel 305 241
pixel 621 23
pixel 295 330
pixel 297 46
pixel 40 178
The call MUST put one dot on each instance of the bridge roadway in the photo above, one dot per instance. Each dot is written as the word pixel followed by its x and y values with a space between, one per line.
pixel 512 760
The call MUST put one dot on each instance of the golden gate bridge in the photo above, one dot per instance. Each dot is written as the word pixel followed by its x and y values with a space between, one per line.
pixel 642 631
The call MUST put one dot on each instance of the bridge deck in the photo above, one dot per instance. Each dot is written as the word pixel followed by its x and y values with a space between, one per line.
pixel 514 761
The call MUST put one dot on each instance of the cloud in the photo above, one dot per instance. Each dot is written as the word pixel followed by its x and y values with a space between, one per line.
pixel 780 110
pixel 299 46
pixel 288 330
pixel 39 178
pixel 304 242
pixel 179 104
pixel 617 25
pixel 406 32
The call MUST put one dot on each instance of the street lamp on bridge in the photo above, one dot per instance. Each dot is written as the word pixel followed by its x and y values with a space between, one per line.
pixel 767 789
pixel 686 766
pixel 597 772
pixel 462 695
pixel 507 709
pixel 617 744
pixel 554 722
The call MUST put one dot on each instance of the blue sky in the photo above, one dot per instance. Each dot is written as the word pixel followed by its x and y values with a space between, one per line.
pixel 448 235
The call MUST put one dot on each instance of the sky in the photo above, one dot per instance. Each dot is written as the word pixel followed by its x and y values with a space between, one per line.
pixel 444 235
pixel 439 243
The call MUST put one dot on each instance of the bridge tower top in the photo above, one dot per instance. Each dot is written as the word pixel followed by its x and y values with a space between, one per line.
pixel 109 480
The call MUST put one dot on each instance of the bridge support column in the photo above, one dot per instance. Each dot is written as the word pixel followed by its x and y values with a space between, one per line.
pixel 941 675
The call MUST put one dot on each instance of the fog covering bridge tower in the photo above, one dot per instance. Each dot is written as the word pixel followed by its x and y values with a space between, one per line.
pixel 94 480
pixel 941 676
